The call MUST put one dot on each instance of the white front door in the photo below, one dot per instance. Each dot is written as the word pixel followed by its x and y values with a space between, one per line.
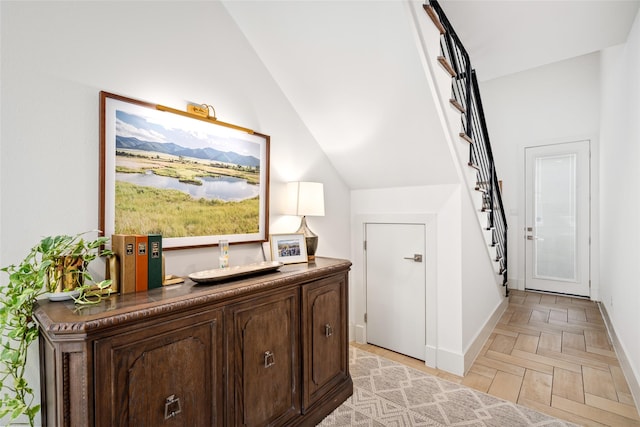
pixel 395 287
pixel 557 218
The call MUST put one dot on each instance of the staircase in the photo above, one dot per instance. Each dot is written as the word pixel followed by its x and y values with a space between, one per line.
pixel 474 148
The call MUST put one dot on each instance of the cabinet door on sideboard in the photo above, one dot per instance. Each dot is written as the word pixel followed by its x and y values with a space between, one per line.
pixel 324 311
pixel 264 360
pixel 162 374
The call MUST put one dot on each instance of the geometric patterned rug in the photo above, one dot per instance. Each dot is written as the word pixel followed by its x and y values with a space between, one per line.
pixel 387 393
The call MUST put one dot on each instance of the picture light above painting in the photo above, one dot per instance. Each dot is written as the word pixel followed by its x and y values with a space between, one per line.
pixel 187 176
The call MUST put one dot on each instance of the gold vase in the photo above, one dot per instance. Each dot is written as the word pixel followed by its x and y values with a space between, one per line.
pixel 66 274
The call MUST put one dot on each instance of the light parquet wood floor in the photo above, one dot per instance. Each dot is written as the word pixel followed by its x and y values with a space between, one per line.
pixel 550 353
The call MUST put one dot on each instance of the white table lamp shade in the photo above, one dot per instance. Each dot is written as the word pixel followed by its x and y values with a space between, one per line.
pixel 305 198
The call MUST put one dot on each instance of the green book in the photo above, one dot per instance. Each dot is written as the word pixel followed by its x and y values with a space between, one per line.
pixel 155 261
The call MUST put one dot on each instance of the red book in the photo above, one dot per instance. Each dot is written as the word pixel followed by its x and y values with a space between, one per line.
pixel 142 263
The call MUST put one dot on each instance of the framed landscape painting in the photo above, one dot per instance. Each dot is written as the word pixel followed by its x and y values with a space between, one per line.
pixel 192 179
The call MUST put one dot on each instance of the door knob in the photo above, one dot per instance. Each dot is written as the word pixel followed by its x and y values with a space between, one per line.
pixel 415 257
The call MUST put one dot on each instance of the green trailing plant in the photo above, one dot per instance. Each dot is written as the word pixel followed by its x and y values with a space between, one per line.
pixel 55 264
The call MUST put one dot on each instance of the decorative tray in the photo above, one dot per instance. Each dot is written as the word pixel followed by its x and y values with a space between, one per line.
pixel 220 274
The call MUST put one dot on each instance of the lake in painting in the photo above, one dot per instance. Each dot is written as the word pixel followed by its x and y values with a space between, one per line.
pixel 221 188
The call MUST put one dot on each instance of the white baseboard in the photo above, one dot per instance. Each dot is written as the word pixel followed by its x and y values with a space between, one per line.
pixel 632 380
pixel 459 364
pixel 514 283
pixel 450 361
pixel 475 347
pixel 431 353
pixel 358 334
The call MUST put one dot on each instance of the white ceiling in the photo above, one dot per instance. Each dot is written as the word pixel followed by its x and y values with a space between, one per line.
pixel 508 36
pixel 352 72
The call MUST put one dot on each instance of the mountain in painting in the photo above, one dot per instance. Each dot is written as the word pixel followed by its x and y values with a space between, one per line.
pixel 177 150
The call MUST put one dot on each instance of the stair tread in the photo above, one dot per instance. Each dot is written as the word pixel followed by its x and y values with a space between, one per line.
pixel 443 61
pixel 466 137
pixel 457 105
pixel 434 18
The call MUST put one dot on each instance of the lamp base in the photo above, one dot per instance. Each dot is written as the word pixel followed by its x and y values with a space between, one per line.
pixel 311 239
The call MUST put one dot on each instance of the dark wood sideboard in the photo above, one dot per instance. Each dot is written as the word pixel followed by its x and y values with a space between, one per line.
pixel 263 350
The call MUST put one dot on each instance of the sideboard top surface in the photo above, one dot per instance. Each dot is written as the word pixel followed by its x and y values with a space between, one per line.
pixel 64 317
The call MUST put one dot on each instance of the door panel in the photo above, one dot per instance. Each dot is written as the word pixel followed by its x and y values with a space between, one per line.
pixel 265 362
pixel 325 337
pixel 168 374
pixel 557 218
pixel 395 284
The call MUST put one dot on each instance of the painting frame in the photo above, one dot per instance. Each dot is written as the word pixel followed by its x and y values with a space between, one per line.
pixel 245 167
pixel 279 241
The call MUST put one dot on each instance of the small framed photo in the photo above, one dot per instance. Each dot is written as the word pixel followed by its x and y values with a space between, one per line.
pixel 288 248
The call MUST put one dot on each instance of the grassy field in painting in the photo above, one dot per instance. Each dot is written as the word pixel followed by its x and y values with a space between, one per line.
pixel 185 169
pixel 172 213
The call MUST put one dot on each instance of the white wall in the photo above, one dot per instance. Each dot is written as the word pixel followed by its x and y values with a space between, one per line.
pixel 482 295
pixel 620 200
pixel 551 104
pixel 444 316
pixel 57 56
pixel 595 97
pixel 462 290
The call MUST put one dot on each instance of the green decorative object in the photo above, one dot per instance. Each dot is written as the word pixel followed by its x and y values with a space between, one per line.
pixel 55 265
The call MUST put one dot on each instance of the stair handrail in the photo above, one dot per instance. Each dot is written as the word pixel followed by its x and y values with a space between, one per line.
pixel 466 93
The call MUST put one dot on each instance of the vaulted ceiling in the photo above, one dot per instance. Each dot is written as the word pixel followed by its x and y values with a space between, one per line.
pixel 351 70
pixel 505 37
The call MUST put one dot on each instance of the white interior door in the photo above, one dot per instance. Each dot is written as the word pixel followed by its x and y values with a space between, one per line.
pixel 557 218
pixel 395 287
